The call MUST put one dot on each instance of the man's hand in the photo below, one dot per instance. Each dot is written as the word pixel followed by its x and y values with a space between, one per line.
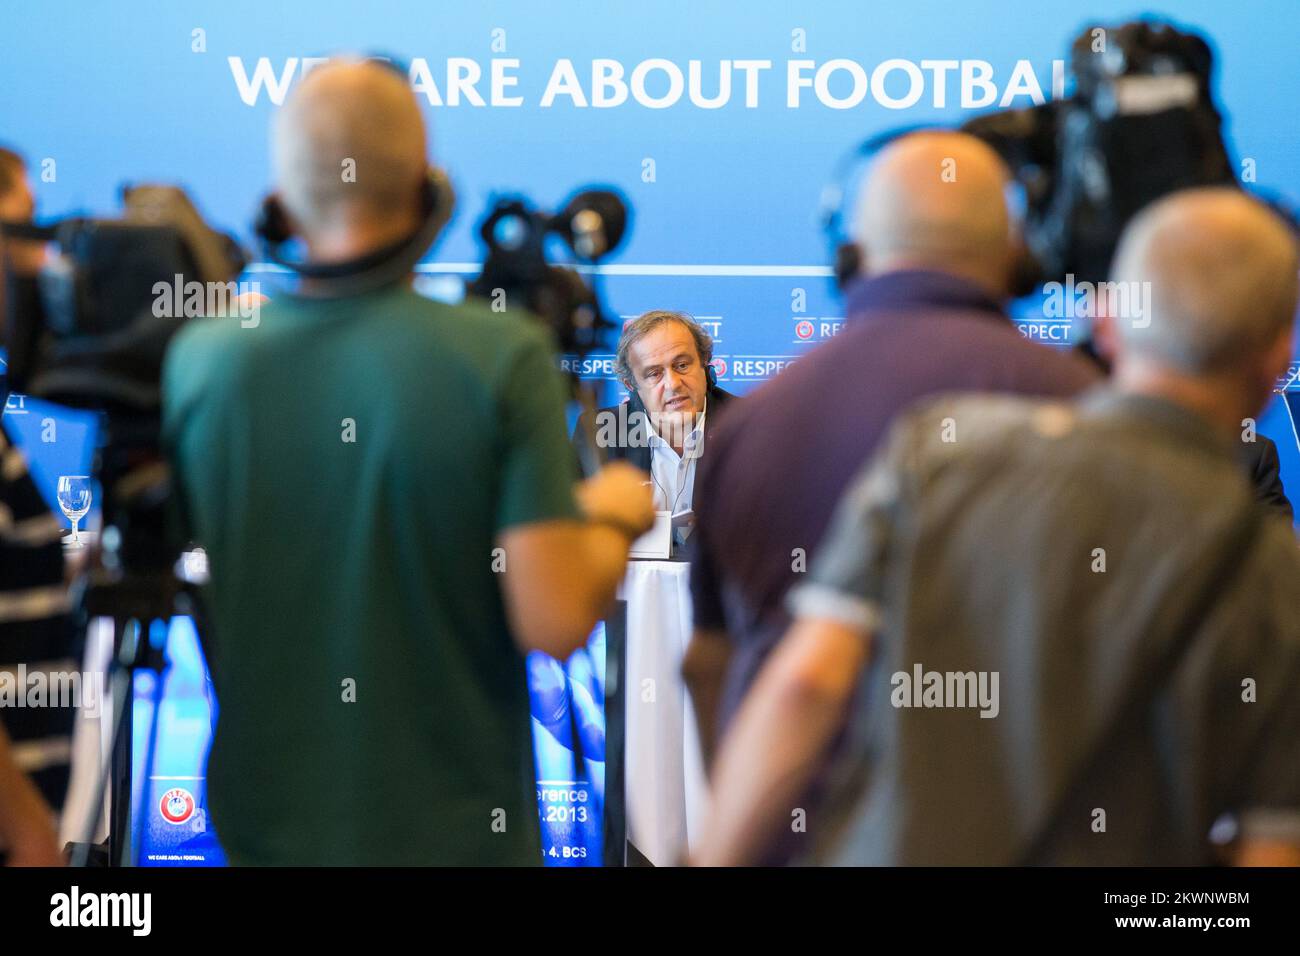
pixel 563 574
pixel 618 493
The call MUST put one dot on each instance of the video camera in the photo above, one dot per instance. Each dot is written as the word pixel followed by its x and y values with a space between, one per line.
pixel 87 331
pixel 89 328
pixel 591 224
pixel 517 272
pixel 1141 123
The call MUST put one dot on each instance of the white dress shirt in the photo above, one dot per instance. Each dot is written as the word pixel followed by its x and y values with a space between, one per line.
pixel 673 475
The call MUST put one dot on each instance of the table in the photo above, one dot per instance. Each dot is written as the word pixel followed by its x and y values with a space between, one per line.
pixel 664 783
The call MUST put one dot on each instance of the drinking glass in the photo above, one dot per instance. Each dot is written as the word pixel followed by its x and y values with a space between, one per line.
pixel 74 500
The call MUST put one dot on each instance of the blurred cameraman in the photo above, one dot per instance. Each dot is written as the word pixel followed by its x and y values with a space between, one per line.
pixel 34 629
pixel 387 499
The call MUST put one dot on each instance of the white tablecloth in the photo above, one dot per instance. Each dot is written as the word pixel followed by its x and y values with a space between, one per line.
pixel 664 778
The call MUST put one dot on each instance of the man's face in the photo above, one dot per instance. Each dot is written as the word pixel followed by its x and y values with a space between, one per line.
pixel 17 204
pixel 670 379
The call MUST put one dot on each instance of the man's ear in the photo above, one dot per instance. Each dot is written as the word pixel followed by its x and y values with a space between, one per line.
pixel 274 224
pixel 1277 360
pixel 850 263
pixel 1105 336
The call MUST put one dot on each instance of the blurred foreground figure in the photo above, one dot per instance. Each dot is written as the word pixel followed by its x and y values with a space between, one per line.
pixel 939 254
pixel 27 824
pixel 1073 632
pixel 36 635
pixel 386 495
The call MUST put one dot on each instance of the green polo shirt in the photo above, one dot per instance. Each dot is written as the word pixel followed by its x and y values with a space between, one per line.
pixel 348 465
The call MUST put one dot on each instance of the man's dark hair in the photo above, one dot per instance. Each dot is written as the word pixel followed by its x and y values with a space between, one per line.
pixel 643 324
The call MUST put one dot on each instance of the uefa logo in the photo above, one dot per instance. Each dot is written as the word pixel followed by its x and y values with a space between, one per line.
pixel 804 330
pixel 176 806
pixel 719 366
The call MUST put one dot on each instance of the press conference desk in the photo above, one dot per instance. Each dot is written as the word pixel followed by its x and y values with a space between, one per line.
pixel 664 781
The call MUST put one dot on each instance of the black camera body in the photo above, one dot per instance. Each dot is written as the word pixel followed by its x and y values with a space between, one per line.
pixel 1141 123
pixel 87 331
pixel 592 224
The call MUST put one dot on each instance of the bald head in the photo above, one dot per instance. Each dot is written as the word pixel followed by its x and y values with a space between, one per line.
pixel 349 150
pixel 1222 269
pixel 937 200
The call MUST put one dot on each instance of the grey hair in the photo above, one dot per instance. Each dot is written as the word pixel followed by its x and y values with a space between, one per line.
pixel 643 324
pixel 1221 268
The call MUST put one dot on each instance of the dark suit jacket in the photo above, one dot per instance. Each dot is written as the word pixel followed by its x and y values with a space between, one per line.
pixel 1265 469
pixel 634 448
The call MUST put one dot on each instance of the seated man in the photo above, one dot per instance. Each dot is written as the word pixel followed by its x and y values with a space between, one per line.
pixel 663 361
pixel 386 498
pixel 1075 630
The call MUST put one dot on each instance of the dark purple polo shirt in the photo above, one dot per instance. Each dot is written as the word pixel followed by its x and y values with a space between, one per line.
pixel 780 459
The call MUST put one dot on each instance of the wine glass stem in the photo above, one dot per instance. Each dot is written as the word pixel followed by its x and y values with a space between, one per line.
pixel 75 537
